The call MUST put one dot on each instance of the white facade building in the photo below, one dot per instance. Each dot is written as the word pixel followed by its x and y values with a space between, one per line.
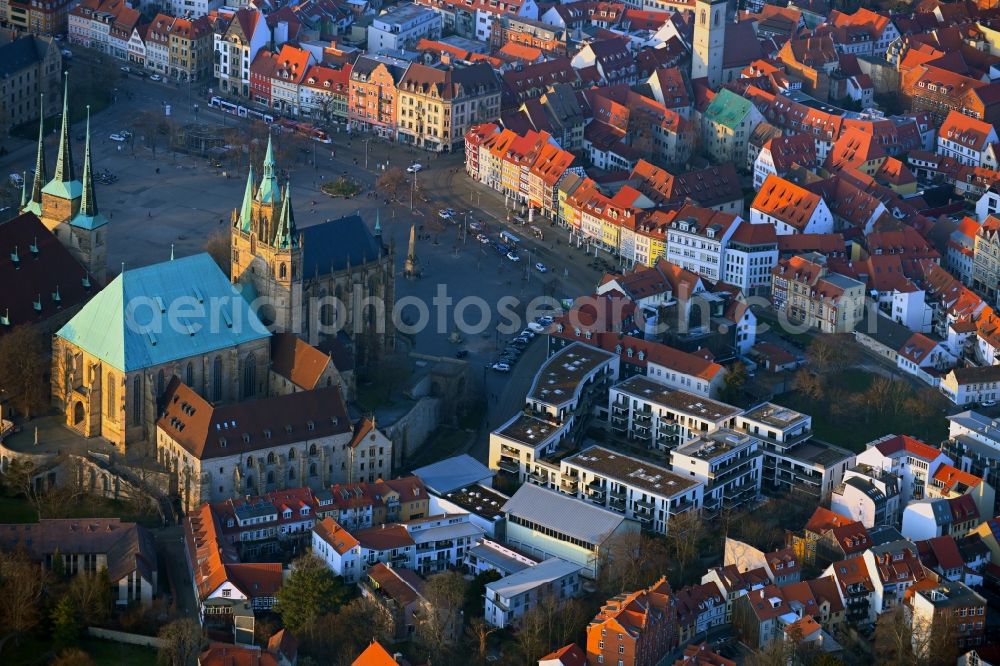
pixel 400 27
pixel 510 597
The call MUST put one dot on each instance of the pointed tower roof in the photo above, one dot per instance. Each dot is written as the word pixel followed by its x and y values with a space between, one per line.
pixel 246 209
pixel 269 191
pixel 64 183
pixel 24 191
pixel 287 235
pixel 378 225
pixel 88 217
pixel 35 203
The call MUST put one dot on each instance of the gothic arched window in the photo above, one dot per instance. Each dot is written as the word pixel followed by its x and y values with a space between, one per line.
pixel 217 379
pixel 189 374
pixel 136 400
pixel 249 376
pixel 282 271
pixel 110 390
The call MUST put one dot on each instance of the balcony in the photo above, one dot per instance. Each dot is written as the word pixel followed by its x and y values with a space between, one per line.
pixel 619 408
pixel 644 418
pixel 619 494
pixel 644 519
pixel 510 451
pixel 570 483
pixel 647 505
pixel 541 478
pixel 509 466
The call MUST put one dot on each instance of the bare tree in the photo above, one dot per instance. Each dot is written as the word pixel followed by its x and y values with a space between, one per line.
pixel 632 560
pixel 183 642
pixel 808 384
pixel 22 582
pixel 23 367
pixel 683 533
pixel 478 633
pixel 90 593
pixel 72 657
pixel 441 624
pixel 894 638
pixel 832 352
pixel 391 183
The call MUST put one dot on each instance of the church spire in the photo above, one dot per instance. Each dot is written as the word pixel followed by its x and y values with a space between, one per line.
pixel 378 225
pixel 287 235
pixel 269 190
pixel 24 191
pixel 88 202
pixel 64 159
pixel 246 209
pixel 35 204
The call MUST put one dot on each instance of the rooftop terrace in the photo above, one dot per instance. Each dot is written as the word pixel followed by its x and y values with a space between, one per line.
pixel 632 471
pixel 678 401
pixel 559 378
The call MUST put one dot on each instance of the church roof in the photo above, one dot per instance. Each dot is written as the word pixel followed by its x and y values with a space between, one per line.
pixel 331 245
pixel 164 312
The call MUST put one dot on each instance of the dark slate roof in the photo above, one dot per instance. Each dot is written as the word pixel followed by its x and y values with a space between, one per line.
pixel 330 245
pixel 18 54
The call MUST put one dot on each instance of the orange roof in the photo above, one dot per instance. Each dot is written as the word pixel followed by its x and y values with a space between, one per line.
pixel 515 51
pixel 965 130
pixel 890 445
pixel 953 478
pixel 297 360
pixel 805 627
pixel 568 655
pixel 786 201
pixel 330 531
pixel 824 519
pixel 375 655
pixel 219 654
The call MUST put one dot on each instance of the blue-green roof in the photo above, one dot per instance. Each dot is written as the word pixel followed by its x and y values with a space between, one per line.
pixel 728 108
pixel 88 221
pixel 164 312
pixel 64 190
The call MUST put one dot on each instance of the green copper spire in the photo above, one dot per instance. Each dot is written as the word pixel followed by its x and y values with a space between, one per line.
pixel 24 191
pixel 287 235
pixel 378 224
pixel 35 203
pixel 246 209
pixel 269 190
pixel 64 159
pixel 88 216
pixel 88 202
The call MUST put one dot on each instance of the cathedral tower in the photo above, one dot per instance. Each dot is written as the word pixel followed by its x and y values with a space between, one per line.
pixel 266 251
pixel 67 206
pixel 709 41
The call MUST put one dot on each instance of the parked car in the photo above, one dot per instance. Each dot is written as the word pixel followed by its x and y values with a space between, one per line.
pixel 483 238
pixel 475 226
pixel 16 180
pixel 117 136
pixel 444 215
pixel 535 327
pixel 155 77
pixel 66 53
pixel 988 403
pixel 125 68
pixel 540 267
pixel 501 367
pixel 414 168
pixel 512 256
pixel 544 320
pixel 526 333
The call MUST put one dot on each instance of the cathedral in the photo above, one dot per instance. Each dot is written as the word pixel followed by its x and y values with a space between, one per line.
pixel 316 281
pixel 66 205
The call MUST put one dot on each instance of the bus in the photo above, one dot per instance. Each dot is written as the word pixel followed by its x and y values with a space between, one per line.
pixel 537 232
pixel 509 238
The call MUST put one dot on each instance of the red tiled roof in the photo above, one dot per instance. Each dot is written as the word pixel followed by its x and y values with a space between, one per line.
pixel 786 201
pixel 892 445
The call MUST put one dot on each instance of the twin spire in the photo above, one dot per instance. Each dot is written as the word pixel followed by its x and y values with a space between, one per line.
pixel 286 234
pixel 63 184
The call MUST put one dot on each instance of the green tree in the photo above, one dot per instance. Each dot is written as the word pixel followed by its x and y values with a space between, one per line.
pixel 91 595
pixel 65 624
pixel 310 592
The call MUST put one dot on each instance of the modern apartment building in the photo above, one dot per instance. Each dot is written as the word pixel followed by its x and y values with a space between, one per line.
pixel 663 418
pixel 518 445
pixel 572 384
pixel 508 599
pixel 792 460
pixel 641 490
pixel 728 463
